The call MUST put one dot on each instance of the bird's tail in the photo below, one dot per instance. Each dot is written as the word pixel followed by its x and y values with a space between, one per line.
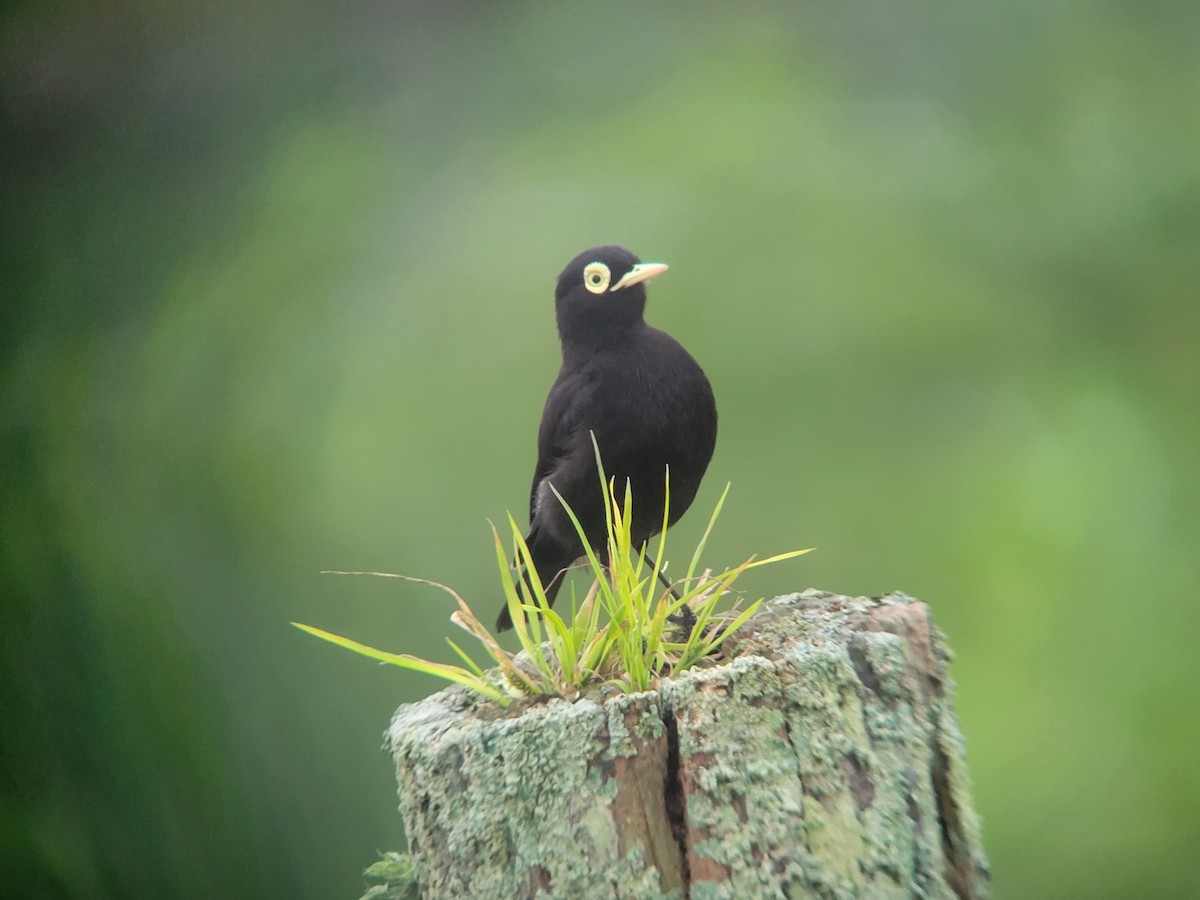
pixel 551 569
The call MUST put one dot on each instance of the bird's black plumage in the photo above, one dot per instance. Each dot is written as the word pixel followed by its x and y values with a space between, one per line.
pixel 647 401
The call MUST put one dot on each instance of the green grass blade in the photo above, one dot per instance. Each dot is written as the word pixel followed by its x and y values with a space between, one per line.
pixel 604 488
pixel 511 596
pixel 472 665
pixel 414 663
pixel 662 531
pixel 753 563
pixel 462 654
pixel 593 561
pixel 712 520
pixel 531 635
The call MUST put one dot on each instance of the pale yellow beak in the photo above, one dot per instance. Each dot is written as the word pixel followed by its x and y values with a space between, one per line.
pixel 639 273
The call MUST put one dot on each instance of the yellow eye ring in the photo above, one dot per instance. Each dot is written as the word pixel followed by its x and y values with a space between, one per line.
pixel 596 277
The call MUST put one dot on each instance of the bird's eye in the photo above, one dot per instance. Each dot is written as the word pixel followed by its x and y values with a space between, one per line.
pixel 596 277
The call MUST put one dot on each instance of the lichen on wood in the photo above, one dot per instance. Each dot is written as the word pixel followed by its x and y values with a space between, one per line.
pixel 818 756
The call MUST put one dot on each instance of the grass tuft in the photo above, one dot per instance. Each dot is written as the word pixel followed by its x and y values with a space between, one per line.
pixel 628 631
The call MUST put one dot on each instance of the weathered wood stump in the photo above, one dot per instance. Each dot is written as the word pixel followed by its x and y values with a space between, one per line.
pixel 819 756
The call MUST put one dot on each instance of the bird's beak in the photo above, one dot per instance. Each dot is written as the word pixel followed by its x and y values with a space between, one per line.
pixel 639 273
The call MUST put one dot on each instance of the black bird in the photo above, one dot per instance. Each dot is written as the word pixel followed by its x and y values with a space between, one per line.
pixel 647 401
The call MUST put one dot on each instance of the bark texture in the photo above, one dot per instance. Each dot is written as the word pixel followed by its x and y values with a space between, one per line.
pixel 818 757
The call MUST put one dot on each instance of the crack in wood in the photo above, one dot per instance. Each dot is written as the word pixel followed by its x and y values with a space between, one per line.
pixel 958 863
pixel 675 797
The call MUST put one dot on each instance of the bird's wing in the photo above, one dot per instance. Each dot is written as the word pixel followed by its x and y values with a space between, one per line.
pixel 558 432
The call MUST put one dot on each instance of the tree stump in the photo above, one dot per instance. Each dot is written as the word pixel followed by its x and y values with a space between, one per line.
pixel 817 756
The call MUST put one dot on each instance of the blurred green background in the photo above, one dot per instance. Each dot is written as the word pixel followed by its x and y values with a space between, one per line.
pixel 277 297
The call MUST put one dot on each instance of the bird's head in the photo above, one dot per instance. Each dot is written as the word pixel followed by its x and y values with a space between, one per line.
pixel 600 291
